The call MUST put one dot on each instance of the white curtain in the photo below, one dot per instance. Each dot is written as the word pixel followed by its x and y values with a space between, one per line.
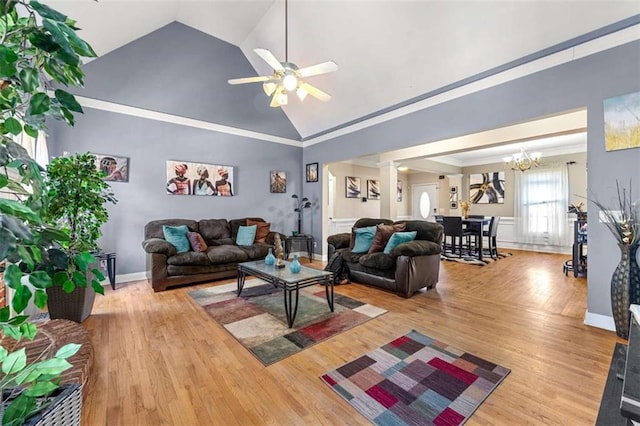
pixel 37 148
pixel 541 203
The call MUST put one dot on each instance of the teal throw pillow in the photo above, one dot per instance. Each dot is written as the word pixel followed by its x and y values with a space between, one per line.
pixel 364 239
pixel 177 235
pixel 398 238
pixel 246 235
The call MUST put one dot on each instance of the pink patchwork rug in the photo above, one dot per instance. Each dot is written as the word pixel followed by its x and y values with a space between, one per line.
pixel 416 380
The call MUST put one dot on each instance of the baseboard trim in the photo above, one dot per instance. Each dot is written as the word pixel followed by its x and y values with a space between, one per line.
pixel 533 247
pixel 124 278
pixel 600 321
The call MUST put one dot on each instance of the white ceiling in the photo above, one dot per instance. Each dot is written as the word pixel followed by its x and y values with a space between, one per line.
pixel 387 51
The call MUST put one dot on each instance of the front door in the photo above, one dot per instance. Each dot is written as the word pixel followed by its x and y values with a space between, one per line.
pixel 424 201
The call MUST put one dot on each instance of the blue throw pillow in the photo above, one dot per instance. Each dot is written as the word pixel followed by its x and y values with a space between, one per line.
pixel 246 235
pixel 177 235
pixel 364 239
pixel 398 238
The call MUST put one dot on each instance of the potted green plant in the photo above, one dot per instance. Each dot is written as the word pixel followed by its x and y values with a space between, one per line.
pixel 39 49
pixel 77 196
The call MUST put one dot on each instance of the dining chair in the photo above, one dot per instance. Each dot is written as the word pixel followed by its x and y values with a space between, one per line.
pixel 453 228
pixel 476 229
pixel 491 235
pixel 438 218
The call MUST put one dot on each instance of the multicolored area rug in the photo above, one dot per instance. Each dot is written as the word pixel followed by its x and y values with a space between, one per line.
pixel 257 318
pixel 416 380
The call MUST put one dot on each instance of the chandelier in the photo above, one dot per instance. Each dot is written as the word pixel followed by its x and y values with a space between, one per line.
pixel 523 160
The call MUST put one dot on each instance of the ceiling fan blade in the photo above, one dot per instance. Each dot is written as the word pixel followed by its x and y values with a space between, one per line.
pixel 315 92
pixel 269 58
pixel 322 68
pixel 250 79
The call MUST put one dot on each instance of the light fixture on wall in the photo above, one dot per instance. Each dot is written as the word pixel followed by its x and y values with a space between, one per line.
pixel 287 77
pixel 523 160
pixel 403 168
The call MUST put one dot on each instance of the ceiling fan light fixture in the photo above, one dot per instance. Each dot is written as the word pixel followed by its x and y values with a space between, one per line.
pixel 282 98
pixel 269 88
pixel 290 82
pixel 301 93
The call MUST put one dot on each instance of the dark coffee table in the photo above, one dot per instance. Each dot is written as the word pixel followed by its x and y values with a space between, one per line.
pixel 288 281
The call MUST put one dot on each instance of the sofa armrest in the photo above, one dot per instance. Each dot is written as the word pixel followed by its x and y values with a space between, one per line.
pixel 416 248
pixel 339 241
pixel 160 246
pixel 271 238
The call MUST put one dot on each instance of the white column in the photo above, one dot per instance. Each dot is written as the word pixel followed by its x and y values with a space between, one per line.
pixel 388 187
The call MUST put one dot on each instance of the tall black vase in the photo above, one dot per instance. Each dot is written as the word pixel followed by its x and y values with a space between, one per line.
pixel 625 288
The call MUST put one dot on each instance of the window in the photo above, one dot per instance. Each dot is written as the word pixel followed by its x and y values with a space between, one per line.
pixel 541 206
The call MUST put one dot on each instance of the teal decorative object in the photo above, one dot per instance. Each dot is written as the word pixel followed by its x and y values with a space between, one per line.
pixel 295 265
pixel 270 259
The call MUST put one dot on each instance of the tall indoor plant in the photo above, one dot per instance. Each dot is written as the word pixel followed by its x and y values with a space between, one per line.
pixel 77 196
pixel 39 50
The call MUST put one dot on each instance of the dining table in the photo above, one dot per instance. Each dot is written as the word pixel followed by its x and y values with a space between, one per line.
pixel 476 226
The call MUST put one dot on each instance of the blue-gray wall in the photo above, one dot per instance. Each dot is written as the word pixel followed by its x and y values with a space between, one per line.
pixel 149 144
pixel 582 83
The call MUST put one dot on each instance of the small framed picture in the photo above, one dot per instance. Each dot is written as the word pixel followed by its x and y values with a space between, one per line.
pixel 373 189
pixel 399 192
pixel 116 169
pixel 454 205
pixel 453 190
pixel 352 187
pixel 312 172
pixel 278 181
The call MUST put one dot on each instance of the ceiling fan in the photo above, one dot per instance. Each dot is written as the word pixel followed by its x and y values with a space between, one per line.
pixel 287 77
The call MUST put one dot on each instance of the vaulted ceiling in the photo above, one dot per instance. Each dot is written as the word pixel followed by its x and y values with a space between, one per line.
pixel 388 52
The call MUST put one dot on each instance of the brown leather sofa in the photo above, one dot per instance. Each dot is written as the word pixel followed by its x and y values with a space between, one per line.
pixel 167 268
pixel 408 268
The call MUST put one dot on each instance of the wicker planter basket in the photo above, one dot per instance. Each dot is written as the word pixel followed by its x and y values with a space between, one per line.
pixel 75 306
pixel 64 408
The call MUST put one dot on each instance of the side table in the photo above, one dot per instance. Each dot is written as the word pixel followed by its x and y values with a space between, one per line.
pixel 110 259
pixel 298 238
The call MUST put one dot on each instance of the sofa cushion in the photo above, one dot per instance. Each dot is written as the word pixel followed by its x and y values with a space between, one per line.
pixel 226 254
pixel 246 235
pixel 214 229
pixel 177 235
pixel 234 224
pixel 377 260
pixel 262 230
pixel 365 222
pixel 383 233
pixel 222 242
pixel 398 238
pixel 189 258
pixel 256 251
pixel 350 256
pixel 153 229
pixel 416 248
pixel 364 239
pixel 429 231
pixel 196 241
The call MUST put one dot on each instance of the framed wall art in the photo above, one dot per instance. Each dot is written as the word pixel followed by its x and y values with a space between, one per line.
pixel 373 189
pixel 486 188
pixel 312 172
pixel 185 178
pixel 622 122
pixel 115 168
pixel 399 191
pixel 278 181
pixel 352 187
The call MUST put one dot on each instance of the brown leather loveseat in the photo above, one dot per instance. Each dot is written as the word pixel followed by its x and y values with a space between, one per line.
pixel 409 267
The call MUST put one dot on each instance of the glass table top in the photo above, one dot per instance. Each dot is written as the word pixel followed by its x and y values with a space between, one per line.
pixel 284 274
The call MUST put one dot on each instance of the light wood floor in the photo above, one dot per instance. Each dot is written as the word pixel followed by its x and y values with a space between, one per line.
pixel 160 360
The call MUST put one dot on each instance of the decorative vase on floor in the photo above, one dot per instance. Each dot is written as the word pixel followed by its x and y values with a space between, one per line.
pixel 270 259
pixel 295 265
pixel 625 288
